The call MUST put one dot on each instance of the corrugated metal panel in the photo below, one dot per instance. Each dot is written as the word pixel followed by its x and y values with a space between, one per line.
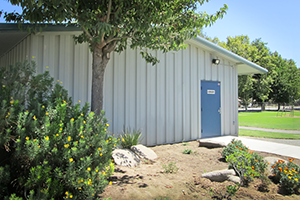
pixel 163 100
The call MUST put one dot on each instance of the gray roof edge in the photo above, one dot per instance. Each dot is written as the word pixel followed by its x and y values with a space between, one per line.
pixel 46 27
pixel 230 54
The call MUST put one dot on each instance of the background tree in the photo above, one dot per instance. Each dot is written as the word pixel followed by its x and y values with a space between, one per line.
pixel 109 25
pixel 285 89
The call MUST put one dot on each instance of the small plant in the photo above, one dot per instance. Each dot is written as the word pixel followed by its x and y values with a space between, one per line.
pixel 288 175
pixel 187 151
pixel 232 189
pixel 170 168
pixel 129 139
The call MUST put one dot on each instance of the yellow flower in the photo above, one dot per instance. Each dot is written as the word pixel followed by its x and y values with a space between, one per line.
pixel 103 173
pixel 123 140
pixel 8 113
pixel 84 122
pixel 114 145
pixel 69 138
pixel 32 56
pixel 72 119
pixel 81 180
pixel 81 114
pixel 290 177
pixel 11 102
pixel 3 85
pixel 64 101
pixel 99 149
pixel 61 82
pixel 79 101
pixel 47 67
pixel 43 106
pixel 57 135
pixel 82 136
pixel 71 159
pixel 66 193
pixel 34 117
pixel 27 138
pixel 296 179
pixel 79 188
pixel 34 140
pixel 107 125
pixel 47 138
pixel 105 129
pixel 106 141
pixel 60 129
pixel 110 183
pixel 89 169
pixel 100 154
pixel 96 170
pixel 47 113
pixel 67 145
pixel 78 181
pixel 57 80
pixel 71 196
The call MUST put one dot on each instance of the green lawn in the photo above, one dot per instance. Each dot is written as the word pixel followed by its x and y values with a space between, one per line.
pixel 269 119
pixel 265 134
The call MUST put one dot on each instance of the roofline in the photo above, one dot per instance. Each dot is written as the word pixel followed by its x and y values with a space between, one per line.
pixel 45 27
pixel 229 54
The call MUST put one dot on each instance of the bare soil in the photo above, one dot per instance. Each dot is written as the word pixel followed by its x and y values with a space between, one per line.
pixel 149 181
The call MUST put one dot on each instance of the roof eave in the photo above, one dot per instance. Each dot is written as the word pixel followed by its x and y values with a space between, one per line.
pixel 240 61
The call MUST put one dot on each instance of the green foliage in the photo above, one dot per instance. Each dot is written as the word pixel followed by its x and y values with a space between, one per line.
pixel 187 151
pixel 130 138
pixel 288 175
pixel 246 163
pixel 50 147
pixel 232 189
pixel 170 168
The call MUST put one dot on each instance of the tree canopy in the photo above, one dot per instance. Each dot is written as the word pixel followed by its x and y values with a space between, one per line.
pixel 114 25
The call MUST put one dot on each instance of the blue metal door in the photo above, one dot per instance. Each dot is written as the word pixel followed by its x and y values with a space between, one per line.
pixel 210 109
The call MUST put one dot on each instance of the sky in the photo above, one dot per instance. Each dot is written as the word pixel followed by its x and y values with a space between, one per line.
pixel 276 22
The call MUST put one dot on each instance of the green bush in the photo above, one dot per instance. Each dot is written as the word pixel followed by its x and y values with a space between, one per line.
pixel 246 163
pixel 187 151
pixel 51 149
pixel 130 138
pixel 287 174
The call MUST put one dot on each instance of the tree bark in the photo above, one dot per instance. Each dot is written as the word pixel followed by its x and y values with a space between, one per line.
pixel 100 61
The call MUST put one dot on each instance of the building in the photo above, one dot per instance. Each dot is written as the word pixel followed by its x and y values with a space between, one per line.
pixel 185 97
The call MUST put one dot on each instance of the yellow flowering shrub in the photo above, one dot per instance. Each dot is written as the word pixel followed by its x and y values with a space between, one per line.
pixel 52 146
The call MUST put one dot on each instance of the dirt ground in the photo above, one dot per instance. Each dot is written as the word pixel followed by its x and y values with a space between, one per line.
pixel 149 181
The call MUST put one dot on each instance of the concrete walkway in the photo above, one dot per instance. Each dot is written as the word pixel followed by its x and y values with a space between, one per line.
pixel 270 130
pixel 264 146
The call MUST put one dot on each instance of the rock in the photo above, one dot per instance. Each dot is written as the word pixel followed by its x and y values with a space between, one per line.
pixel 234 179
pixel 210 143
pixel 144 152
pixel 271 161
pixel 125 157
pixel 220 175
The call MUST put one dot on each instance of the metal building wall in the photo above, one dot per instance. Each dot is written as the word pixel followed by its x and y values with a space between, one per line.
pixel 164 101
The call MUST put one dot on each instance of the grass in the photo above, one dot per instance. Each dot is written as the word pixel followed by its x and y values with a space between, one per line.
pixel 269 119
pixel 265 134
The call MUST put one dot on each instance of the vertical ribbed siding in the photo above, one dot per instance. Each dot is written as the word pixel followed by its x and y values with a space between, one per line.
pixel 164 101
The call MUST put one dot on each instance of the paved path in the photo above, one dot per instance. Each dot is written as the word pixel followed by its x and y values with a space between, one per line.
pixel 270 130
pixel 264 146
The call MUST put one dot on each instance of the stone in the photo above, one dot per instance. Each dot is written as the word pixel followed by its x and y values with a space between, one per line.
pixel 125 157
pixel 144 152
pixel 234 179
pixel 219 175
pixel 210 143
pixel 271 161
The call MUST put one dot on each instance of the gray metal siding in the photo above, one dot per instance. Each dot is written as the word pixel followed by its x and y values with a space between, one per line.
pixel 163 100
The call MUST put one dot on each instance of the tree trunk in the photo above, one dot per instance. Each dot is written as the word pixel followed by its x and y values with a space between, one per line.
pixel 100 61
pixel 278 108
pixel 263 106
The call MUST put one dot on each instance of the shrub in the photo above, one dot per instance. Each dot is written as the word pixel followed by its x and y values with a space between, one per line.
pixel 50 147
pixel 287 174
pixel 128 139
pixel 246 163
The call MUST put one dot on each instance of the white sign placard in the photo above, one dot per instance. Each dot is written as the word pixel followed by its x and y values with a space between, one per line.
pixel 211 91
